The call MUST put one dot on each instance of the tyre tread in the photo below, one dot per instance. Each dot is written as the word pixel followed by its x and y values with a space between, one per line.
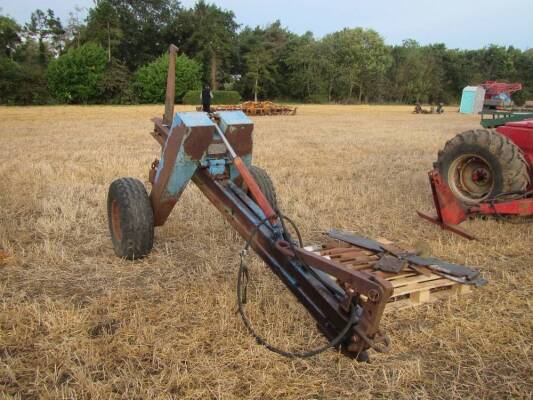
pixel 511 158
pixel 136 218
pixel 265 184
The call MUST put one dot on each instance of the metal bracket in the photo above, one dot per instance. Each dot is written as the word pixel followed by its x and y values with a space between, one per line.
pixel 449 211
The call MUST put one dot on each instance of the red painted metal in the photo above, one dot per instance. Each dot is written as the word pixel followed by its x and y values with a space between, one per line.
pixel 493 88
pixel 450 212
pixel 520 208
pixel 521 134
pixel 254 189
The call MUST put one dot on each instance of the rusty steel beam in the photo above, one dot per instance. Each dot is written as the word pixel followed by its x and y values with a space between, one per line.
pixel 375 290
pixel 244 220
pixel 327 302
pixel 160 132
pixel 171 86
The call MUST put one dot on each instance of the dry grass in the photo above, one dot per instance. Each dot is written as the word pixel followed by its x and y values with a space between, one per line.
pixel 76 322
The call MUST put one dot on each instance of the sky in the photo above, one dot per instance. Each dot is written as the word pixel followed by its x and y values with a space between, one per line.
pixel 464 24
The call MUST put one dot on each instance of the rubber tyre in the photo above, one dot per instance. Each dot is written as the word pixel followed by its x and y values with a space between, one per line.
pixel 131 218
pixel 504 158
pixel 267 187
pixel 265 184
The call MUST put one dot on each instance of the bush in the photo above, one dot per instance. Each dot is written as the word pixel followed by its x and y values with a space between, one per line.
pixel 74 76
pixel 219 97
pixel 22 83
pixel 114 84
pixel 11 75
pixel 318 99
pixel 34 88
pixel 151 80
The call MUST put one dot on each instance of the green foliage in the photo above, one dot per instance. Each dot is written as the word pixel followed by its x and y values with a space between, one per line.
pixel 47 29
pixel 357 60
pixel 134 31
pixel 33 88
pixel 262 50
pixel 416 74
pixel 210 33
pixel 11 75
pixel 303 67
pixel 21 83
pixel 103 26
pixel 9 35
pixel 151 80
pixel 219 97
pixel 317 99
pixel 74 76
pixel 268 62
pixel 114 84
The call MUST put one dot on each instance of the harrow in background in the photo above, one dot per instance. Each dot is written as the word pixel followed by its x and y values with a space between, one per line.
pixel 255 108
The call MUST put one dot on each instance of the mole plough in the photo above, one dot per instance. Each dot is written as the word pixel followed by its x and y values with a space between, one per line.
pixel 337 286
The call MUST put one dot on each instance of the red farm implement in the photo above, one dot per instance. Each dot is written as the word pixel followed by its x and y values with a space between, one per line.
pixel 484 172
pixel 498 94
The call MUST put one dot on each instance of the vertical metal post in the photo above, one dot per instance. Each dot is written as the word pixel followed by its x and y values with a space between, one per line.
pixel 171 86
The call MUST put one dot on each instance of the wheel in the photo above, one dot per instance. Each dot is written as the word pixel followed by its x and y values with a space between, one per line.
pixel 265 184
pixel 131 218
pixel 480 164
pixel 267 187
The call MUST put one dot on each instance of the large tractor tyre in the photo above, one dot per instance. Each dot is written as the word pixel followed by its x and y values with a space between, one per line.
pixel 131 218
pixel 265 184
pixel 480 164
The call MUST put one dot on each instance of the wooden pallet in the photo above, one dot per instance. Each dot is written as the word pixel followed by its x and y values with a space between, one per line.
pixel 414 289
pixel 413 285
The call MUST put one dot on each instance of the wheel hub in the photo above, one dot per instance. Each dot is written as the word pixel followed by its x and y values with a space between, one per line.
pixel 481 176
pixel 470 177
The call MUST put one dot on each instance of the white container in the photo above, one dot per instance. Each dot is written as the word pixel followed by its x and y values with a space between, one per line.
pixel 472 100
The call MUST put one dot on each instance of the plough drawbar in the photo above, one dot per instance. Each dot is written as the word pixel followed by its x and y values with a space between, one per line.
pixel 215 153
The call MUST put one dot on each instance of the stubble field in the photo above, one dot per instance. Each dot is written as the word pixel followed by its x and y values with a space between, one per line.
pixel 77 322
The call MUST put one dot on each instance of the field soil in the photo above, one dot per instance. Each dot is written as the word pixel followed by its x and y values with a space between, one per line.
pixel 77 322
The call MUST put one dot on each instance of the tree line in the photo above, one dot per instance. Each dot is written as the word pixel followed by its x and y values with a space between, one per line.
pixel 117 55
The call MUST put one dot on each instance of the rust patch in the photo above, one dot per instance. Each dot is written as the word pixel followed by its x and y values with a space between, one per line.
pixel 198 141
pixel 153 171
pixel 169 154
pixel 240 138
pixel 160 132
